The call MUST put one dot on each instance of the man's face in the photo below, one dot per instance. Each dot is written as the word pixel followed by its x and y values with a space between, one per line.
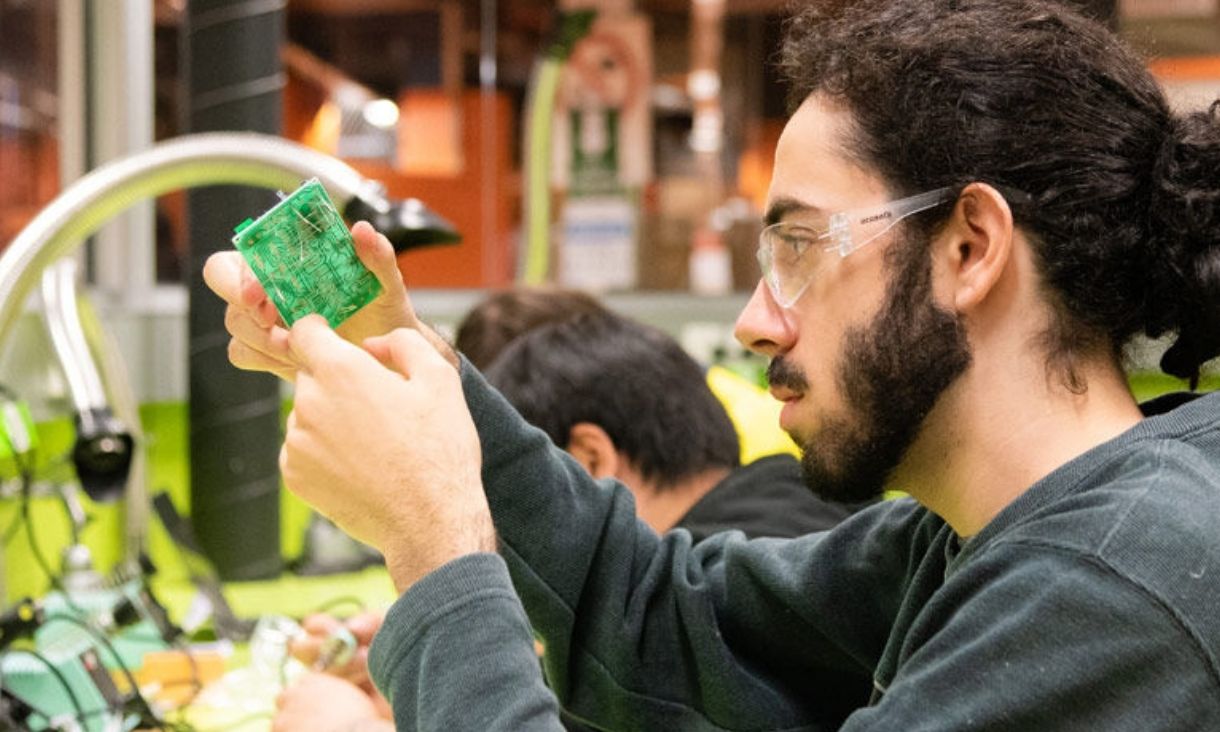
pixel 862 356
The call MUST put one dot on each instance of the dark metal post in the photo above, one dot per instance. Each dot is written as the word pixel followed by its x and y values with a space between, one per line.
pixel 230 53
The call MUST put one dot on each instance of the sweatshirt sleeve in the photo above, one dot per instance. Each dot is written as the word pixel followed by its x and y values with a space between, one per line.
pixel 655 632
pixel 455 653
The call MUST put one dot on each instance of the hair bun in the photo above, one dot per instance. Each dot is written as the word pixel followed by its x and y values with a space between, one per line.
pixel 1186 175
pixel 1185 227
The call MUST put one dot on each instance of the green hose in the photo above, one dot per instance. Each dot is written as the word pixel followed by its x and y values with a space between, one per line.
pixel 535 262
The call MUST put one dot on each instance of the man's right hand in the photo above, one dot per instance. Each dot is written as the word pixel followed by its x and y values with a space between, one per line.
pixel 319 628
pixel 260 340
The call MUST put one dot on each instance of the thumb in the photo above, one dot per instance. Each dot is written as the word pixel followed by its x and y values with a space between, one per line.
pixel 314 344
pixel 376 252
pixel 406 351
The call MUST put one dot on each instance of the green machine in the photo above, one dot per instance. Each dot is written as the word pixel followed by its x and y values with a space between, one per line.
pixel 61 658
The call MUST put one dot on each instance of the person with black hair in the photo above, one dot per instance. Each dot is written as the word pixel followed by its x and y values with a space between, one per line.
pixel 498 319
pixel 976 205
pixel 629 403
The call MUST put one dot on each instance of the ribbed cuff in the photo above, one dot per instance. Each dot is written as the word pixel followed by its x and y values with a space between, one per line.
pixel 467 580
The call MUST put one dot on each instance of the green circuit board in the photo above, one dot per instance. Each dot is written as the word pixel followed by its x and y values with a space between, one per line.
pixel 302 253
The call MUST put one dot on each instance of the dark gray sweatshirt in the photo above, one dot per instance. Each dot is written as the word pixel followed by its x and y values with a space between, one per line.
pixel 1091 602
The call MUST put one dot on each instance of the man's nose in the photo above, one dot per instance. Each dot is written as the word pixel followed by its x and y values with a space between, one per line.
pixel 763 326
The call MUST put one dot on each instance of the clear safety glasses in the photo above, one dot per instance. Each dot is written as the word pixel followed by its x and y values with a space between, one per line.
pixel 790 252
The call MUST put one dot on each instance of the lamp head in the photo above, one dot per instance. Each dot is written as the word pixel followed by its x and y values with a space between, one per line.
pixel 408 224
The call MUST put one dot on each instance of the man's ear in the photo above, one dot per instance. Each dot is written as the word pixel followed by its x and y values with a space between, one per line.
pixel 978 245
pixel 593 449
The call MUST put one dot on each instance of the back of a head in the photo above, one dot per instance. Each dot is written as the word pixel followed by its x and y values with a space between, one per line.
pixel 1031 96
pixel 502 316
pixel 633 381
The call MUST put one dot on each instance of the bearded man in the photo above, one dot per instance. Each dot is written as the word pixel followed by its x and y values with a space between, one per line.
pixel 976 205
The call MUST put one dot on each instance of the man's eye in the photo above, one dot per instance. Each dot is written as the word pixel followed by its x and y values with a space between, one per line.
pixel 798 240
pixel 797 244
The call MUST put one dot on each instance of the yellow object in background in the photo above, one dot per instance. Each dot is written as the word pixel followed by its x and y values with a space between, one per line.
pixel 178 677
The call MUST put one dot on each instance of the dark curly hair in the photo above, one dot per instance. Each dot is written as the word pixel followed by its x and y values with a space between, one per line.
pixel 1030 95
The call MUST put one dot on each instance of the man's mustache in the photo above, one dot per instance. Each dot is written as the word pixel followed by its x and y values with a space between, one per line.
pixel 787 375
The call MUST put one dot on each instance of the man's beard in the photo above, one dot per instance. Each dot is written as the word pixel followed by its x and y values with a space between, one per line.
pixel 891 374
